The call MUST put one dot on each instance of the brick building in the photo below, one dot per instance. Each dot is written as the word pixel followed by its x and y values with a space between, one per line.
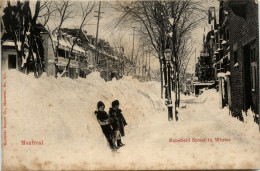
pixel 244 53
pixel 236 56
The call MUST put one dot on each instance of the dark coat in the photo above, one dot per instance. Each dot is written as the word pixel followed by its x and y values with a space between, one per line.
pixel 113 114
pixel 106 129
pixel 119 120
pixel 122 122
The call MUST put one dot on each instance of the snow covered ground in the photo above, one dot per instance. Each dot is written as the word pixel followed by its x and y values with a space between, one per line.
pixel 61 113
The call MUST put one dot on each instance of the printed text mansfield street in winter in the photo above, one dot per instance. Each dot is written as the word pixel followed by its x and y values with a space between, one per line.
pixel 183 140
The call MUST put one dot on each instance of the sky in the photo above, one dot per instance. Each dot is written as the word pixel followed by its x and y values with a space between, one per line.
pixel 197 34
pixel 110 33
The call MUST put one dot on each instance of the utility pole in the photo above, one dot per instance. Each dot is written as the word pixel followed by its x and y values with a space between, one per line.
pixel 96 54
pixel 119 64
pixel 195 63
pixel 146 61
pixel 149 69
pixel 120 57
pixel 107 68
pixel 143 61
pixel 133 45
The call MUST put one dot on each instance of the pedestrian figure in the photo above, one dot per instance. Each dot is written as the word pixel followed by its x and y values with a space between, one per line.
pixel 119 122
pixel 105 122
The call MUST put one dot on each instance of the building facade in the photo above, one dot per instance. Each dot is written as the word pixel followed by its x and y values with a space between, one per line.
pixel 236 57
pixel 82 57
pixel 244 53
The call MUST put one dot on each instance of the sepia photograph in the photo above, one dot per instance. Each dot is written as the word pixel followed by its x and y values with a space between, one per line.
pixel 129 85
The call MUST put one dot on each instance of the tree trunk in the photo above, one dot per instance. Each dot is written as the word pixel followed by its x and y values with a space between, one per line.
pixel 38 55
pixel 56 59
pixel 165 77
pixel 178 104
pixel 161 72
pixel 176 89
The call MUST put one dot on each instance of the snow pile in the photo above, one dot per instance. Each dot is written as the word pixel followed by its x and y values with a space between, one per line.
pixel 61 113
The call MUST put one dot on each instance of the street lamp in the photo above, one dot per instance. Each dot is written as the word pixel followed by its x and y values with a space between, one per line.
pixel 168 54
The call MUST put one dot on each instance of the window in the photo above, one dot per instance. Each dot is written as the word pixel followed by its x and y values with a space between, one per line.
pixel 253 54
pixel 11 61
pixel 253 66
pixel 227 34
pixel 253 75
pixel 235 58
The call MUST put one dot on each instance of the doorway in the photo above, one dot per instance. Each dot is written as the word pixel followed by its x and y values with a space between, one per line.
pixel 250 76
pixel 11 61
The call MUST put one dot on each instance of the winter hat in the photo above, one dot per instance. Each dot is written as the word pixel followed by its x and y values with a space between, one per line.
pixel 100 104
pixel 115 103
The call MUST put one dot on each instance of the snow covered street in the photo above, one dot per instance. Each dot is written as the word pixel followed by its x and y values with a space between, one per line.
pixel 61 113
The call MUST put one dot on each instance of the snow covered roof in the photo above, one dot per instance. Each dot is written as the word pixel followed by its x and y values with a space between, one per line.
pixel 204 54
pixel 203 84
pixel 78 48
pixel 66 44
pixel 223 42
pixel 92 46
pixel 114 57
pixel 228 48
pixel 228 73
pixel 64 61
pixel 221 74
pixel 8 43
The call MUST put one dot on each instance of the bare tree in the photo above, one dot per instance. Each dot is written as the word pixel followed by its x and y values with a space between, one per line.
pixel 20 22
pixel 46 10
pixel 63 11
pixel 167 25
pixel 85 12
pixel 134 12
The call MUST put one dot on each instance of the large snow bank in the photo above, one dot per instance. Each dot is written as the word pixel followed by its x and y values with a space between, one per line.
pixel 60 112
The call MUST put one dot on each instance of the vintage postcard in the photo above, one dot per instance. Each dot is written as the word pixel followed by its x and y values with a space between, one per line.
pixel 129 85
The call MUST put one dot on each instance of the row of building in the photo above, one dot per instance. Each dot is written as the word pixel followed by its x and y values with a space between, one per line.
pixel 230 56
pixel 110 62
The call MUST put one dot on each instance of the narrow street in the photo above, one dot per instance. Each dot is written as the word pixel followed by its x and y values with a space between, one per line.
pixel 201 119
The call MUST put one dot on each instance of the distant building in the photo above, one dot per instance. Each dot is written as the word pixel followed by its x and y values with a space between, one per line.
pixel 9 56
pixel 204 70
pixel 109 61
pixel 9 48
pixel 64 53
